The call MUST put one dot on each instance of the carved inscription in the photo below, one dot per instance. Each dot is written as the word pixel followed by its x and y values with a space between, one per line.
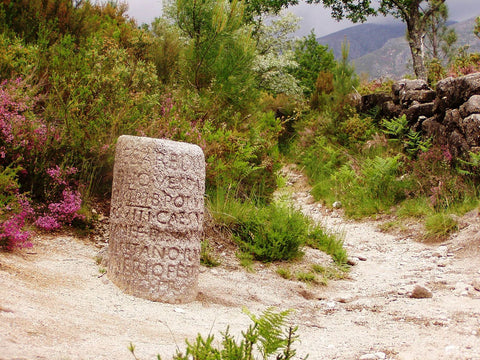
pixel 156 218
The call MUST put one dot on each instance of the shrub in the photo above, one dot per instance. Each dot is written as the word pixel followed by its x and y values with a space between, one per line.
pixel 15 210
pixel 68 200
pixel 273 233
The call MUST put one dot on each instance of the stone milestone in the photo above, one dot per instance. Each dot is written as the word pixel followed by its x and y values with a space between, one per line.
pixel 156 218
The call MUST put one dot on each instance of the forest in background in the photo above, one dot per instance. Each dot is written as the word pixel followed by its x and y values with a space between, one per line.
pixel 229 77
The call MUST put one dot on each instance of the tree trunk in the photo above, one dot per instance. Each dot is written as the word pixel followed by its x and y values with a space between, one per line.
pixel 415 37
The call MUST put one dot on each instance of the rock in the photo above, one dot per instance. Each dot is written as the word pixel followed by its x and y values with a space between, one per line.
pixel 420 96
pixel 361 258
pixel 453 92
pixel 370 101
pixel 432 128
pixel 156 218
pixel 458 143
pixel 471 128
pixel 476 284
pixel 472 106
pixel 368 357
pixel 337 204
pixel 420 292
pixel 415 111
pixel 376 356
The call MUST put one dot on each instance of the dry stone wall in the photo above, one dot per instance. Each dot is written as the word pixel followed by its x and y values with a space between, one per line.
pixel 450 115
pixel 156 218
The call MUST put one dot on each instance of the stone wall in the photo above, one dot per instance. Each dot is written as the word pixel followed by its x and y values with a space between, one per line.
pixel 450 115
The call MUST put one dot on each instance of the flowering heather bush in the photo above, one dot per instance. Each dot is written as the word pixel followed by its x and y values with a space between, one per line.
pixel 65 209
pixel 15 209
pixel 12 234
pixel 27 147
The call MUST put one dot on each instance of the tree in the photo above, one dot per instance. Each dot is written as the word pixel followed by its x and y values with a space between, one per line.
pixel 439 38
pixel 219 48
pixel 275 56
pixel 312 58
pixel 255 8
pixel 414 13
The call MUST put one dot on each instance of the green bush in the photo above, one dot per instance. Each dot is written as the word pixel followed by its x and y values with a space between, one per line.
pixel 273 233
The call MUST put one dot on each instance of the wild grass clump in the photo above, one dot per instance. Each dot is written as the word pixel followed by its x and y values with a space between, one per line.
pixel 439 226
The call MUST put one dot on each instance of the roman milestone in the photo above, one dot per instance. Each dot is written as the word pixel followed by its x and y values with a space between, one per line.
pixel 156 218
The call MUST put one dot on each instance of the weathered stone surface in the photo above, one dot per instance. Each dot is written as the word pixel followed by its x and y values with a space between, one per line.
pixel 371 100
pixel 472 106
pixel 421 96
pixel 421 292
pixel 471 128
pixel 156 218
pixel 453 92
pixel 415 111
pixel 407 85
pixel 457 143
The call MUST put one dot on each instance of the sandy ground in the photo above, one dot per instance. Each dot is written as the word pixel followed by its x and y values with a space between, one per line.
pixel 55 303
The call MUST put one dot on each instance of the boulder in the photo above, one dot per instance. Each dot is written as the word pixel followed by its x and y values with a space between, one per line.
pixel 434 129
pixel 471 128
pixel 452 119
pixel 420 96
pixel 415 111
pixel 472 106
pixel 457 143
pixel 371 101
pixel 453 92
pixel 405 85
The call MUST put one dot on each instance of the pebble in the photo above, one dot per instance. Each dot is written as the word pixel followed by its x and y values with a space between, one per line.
pixel 376 356
pixel 337 205
pixel 420 292
pixel 476 284
pixel 361 258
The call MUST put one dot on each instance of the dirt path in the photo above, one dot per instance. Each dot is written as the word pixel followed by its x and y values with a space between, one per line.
pixel 56 304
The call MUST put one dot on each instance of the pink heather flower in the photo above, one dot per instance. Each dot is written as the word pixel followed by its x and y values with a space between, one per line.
pixel 47 222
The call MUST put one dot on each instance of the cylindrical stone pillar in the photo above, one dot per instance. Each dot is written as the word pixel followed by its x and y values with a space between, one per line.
pixel 156 218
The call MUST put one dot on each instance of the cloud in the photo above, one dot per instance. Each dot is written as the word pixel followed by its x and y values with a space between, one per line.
pixel 144 11
pixel 313 16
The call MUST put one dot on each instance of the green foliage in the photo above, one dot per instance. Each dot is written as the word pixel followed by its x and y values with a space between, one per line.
pixel 206 257
pixel 307 277
pixel 219 50
pixel 275 56
pixel 273 233
pixel 284 273
pixel 312 58
pixel 412 141
pixel 329 243
pixel 267 336
pixel 439 226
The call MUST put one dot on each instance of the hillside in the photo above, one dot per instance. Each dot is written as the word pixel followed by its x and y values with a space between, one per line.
pixel 382 51
pixel 364 38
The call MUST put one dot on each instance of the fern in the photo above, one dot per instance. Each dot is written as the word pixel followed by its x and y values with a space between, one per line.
pixel 265 337
pixel 396 127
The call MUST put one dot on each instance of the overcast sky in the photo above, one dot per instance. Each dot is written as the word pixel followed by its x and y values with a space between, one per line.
pixel 314 17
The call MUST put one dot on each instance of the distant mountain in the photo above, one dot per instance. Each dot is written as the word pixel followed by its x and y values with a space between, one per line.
pixel 363 39
pixel 382 51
